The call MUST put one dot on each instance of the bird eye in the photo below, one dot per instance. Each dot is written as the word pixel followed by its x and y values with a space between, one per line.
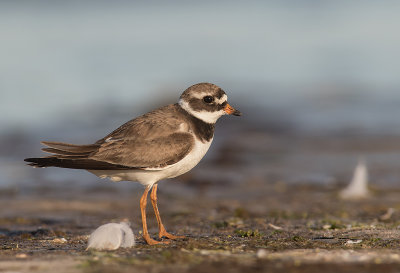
pixel 208 99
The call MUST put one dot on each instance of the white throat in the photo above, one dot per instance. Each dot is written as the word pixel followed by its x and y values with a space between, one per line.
pixel 208 117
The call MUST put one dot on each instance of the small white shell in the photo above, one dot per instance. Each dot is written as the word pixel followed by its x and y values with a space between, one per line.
pixel 111 236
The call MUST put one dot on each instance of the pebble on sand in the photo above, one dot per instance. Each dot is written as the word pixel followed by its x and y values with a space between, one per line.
pixel 111 236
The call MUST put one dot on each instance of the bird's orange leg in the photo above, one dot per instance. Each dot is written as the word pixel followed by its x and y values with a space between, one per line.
pixel 161 228
pixel 143 204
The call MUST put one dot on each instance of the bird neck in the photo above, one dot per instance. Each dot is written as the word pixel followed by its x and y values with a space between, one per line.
pixel 204 131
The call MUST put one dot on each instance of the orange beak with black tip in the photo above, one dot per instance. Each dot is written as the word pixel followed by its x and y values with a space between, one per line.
pixel 231 111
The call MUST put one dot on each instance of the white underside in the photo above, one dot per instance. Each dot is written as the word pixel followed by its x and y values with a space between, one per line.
pixel 149 177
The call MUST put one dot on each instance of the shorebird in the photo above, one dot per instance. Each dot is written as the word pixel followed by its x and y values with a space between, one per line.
pixel 161 144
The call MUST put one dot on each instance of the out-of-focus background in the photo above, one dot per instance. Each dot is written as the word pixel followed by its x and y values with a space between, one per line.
pixel 318 83
pixel 73 71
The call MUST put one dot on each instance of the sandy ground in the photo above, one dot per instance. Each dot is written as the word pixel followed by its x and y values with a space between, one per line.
pixel 300 228
pixel 238 215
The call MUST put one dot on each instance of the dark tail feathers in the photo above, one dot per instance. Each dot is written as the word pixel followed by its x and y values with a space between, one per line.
pixel 70 163
pixel 65 155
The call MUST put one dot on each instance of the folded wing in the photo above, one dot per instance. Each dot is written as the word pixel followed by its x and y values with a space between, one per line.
pixel 152 141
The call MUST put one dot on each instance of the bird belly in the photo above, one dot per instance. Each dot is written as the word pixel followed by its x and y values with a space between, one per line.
pixel 191 160
pixel 150 176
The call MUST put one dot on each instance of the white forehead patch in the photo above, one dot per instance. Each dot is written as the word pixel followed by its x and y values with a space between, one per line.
pixel 223 99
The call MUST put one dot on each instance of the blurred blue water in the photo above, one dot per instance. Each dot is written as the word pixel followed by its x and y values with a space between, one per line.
pixel 74 70
pixel 60 56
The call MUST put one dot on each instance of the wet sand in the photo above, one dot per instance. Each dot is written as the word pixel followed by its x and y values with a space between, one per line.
pixel 300 228
pixel 267 204
pixel 303 228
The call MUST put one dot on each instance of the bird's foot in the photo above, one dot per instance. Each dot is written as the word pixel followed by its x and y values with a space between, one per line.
pixel 164 233
pixel 151 241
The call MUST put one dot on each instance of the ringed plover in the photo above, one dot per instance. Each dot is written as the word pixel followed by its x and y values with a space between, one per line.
pixel 164 143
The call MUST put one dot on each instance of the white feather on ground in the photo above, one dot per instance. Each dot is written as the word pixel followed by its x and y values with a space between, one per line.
pixel 111 236
pixel 358 187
